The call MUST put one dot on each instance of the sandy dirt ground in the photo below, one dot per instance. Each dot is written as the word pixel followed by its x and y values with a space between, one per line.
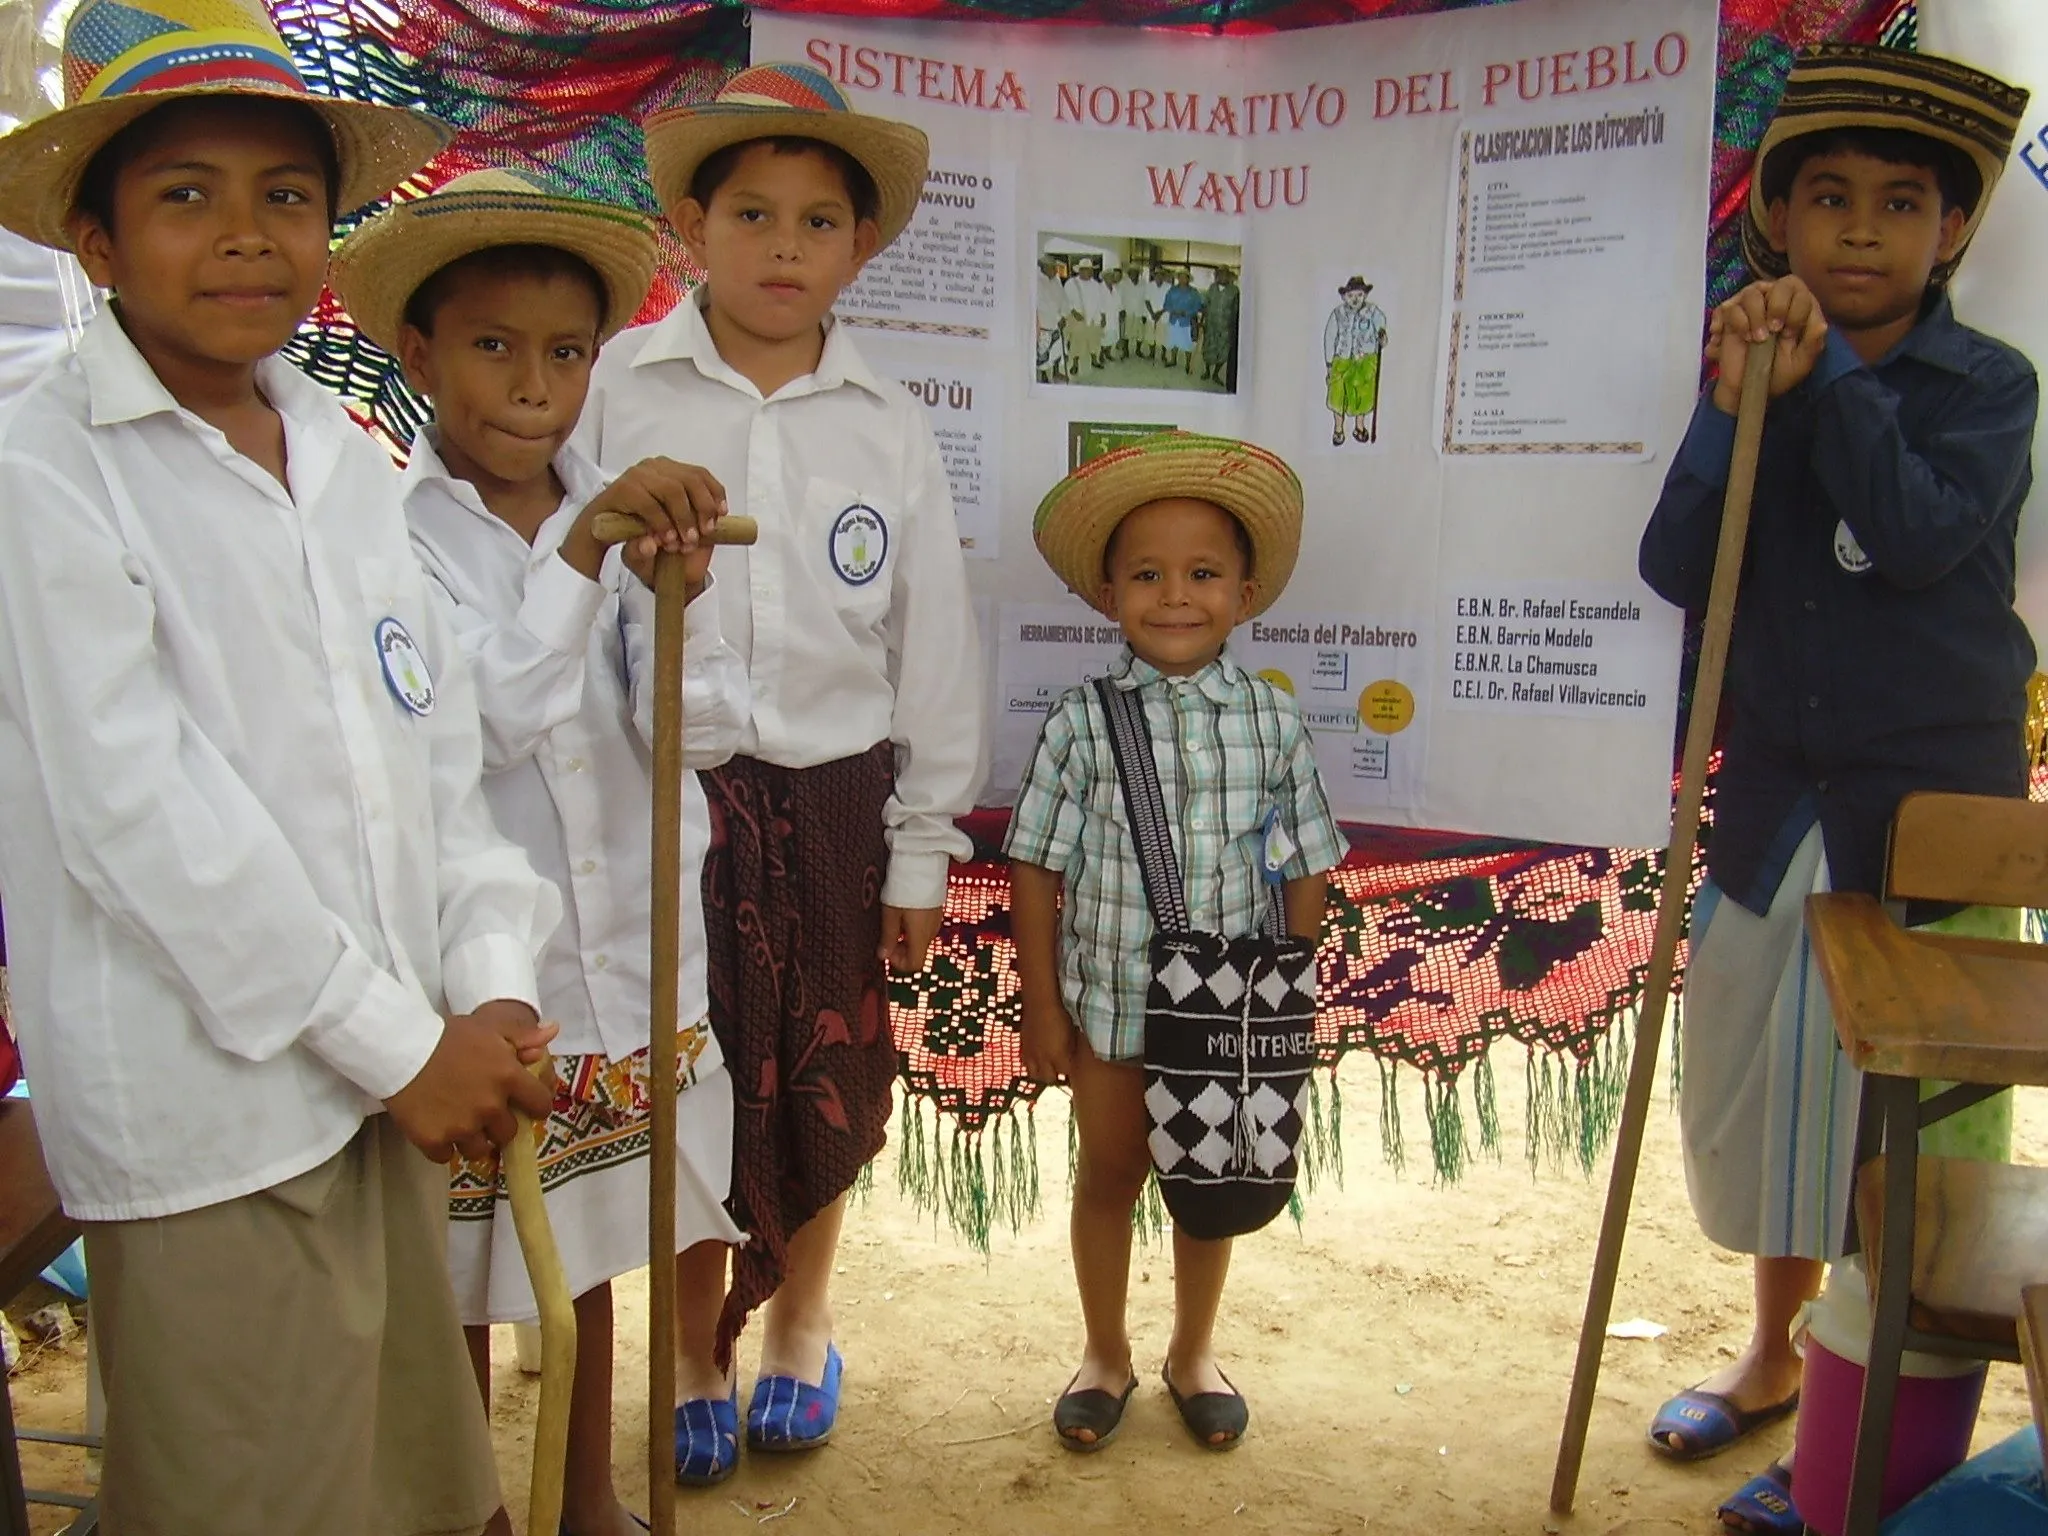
pixel 1406 1355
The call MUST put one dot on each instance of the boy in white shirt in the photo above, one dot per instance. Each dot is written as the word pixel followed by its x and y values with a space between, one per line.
pixel 832 828
pixel 254 885
pixel 495 294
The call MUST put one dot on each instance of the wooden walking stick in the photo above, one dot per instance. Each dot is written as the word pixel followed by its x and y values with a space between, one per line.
pixel 1685 828
pixel 670 597
pixel 520 1164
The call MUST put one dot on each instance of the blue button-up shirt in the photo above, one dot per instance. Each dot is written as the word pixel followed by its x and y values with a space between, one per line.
pixel 1876 650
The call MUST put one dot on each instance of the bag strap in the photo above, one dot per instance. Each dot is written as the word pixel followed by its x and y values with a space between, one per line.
pixel 1137 770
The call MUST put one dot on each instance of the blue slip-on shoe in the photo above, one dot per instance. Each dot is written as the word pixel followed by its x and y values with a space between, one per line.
pixel 707 1440
pixel 1697 1424
pixel 791 1415
pixel 1763 1505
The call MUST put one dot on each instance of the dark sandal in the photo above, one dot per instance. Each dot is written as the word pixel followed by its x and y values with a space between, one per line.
pixel 1763 1505
pixel 1705 1423
pixel 1100 1413
pixel 1207 1414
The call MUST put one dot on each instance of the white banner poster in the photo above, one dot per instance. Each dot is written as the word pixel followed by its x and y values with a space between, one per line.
pixel 2000 286
pixel 1449 267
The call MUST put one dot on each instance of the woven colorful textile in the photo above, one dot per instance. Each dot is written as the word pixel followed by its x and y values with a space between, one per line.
pixel 1438 946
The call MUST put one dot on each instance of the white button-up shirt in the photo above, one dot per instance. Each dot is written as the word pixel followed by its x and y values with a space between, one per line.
pixel 851 614
pixel 564 671
pixel 45 301
pixel 243 878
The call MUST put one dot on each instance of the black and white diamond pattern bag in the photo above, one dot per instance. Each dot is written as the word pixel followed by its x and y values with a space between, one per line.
pixel 1229 1026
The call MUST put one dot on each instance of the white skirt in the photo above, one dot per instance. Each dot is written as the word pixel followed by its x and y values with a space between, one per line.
pixel 1768 1104
pixel 1767 1101
pixel 593 1163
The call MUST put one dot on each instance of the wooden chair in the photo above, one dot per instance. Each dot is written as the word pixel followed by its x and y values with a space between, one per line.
pixel 33 1231
pixel 1950 1244
pixel 2034 1352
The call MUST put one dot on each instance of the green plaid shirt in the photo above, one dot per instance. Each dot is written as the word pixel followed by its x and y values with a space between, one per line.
pixel 1231 747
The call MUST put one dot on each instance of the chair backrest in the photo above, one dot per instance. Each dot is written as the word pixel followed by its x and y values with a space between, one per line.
pixel 1980 850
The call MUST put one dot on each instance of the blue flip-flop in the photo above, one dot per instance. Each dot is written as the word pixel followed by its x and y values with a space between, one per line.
pixel 791 1415
pixel 629 1515
pixel 1697 1424
pixel 1763 1505
pixel 707 1440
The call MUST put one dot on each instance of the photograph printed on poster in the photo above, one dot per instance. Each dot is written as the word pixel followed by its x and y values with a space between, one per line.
pixel 1135 312
pixel 1089 440
pixel 1354 347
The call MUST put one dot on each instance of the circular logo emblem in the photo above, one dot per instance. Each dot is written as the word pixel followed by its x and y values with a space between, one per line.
pixel 860 543
pixel 1848 553
pixel 1386 706
pixel 405 669
pixel 1278 679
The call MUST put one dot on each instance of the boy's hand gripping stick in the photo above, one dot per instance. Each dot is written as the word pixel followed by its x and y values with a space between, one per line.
pixel 670 597
pixel 1685 828
pixel 519 1163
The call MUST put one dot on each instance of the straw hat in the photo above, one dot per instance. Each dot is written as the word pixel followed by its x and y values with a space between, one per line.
pixel 1074 522
pixel 123 58
pixel 380 267
pixel 1853 85
pixel 777 100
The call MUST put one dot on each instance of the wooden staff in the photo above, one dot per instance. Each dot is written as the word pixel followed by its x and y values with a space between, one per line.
pixel 521 1166
pixel 1685 828
pixel 670 598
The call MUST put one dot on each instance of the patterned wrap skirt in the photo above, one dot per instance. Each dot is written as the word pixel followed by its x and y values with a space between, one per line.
pixel 793 919
pixel 593 1178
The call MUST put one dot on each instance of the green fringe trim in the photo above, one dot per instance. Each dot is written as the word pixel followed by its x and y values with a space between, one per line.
pixel 1322 1135
pixel 988 1178
pixel 1393 1146
pixel 1447 1148
pixel 1674 1022
pixel 978 1179
pixel 1575 1107
pixel 1488 1104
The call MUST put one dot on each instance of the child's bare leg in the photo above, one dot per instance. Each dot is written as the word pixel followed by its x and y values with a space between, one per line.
pixel 1767 1371
pixel 799 1316
pixel 700 1297
pixel 1109 1121
pixel 590 1504
pixel 1199 1270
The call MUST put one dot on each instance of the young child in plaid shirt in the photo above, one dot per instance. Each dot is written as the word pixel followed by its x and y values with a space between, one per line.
pixel 1179 539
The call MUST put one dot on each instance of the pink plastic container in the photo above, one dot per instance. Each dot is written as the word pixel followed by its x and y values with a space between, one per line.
pixel 1931 1429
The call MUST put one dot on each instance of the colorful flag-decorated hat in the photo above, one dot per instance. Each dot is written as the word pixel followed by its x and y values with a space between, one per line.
pixel 772 101
pixel 123 58
pixel 380 267
pixel 1073 524
pixel 1854 85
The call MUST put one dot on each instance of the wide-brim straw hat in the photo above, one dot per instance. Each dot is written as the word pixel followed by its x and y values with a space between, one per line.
pixel 1854 85
pixel 788 100
pixel 380 267
pixel 124 58
pixel 1073 524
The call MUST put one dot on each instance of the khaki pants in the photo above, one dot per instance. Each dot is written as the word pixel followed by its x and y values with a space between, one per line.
pixel 290 1361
